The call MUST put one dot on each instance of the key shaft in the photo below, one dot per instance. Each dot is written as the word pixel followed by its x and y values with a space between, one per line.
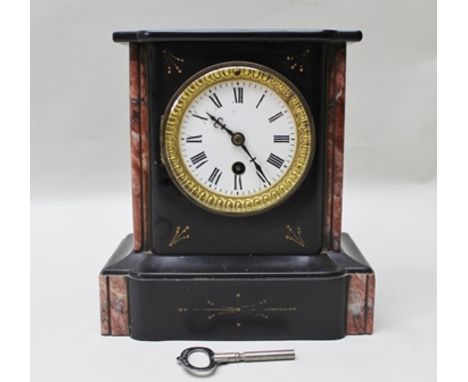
pixel 255 356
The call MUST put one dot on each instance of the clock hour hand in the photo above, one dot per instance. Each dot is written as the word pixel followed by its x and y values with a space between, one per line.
pixel 218 122
pixel 238 140
pixel 258 168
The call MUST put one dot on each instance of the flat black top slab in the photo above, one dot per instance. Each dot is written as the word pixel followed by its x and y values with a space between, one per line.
pixel 326 35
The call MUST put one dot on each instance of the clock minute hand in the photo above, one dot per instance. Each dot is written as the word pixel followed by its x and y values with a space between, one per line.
pixel 218 122
pixel 258 168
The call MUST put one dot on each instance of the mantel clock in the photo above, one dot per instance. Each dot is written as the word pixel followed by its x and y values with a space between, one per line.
pixel 237 170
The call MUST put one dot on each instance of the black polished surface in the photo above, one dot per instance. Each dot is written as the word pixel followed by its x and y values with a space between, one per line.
pixel 238 309
pixel 216 234
pixel 237 35
pixel 237 297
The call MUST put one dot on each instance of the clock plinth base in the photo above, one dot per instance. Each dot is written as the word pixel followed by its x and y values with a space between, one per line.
pixel 229 297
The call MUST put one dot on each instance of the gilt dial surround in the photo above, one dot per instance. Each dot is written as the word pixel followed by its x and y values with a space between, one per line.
pixel 237 138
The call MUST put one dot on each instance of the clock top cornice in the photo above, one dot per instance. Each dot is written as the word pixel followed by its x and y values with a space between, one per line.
pixel 324 35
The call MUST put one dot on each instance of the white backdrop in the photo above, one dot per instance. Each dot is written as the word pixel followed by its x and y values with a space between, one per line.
pixel 81 182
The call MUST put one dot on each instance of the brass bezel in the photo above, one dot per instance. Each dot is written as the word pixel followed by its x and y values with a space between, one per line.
pixel 241 205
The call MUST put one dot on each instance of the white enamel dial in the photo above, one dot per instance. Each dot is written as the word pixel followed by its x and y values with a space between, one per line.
pixel 238 138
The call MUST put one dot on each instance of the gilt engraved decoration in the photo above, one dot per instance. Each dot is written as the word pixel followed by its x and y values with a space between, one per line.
pixel 295 235
pixel 174 63
pixel 297 63
pixel 260 309
pixel 179 235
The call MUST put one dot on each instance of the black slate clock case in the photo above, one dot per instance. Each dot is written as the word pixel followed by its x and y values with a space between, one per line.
pixel 237 278
pixel 215 234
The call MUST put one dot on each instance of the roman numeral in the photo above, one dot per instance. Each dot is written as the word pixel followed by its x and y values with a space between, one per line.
pixel 214 98
pixel 237 182
pixel 194 139
pixel 275 160
pixel 215 175
pixel 238 95
pixel 200 117
pixel 281 138
pixel 275 117
pixel 199 159
pixel 260 101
